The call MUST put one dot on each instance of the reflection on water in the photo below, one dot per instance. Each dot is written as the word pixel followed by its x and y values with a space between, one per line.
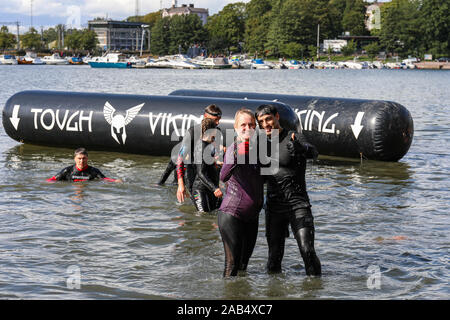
pixel 134 241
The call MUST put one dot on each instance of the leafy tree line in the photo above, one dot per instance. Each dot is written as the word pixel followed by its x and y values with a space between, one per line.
pixel 289 27
pixel 281 28
pixel 76 40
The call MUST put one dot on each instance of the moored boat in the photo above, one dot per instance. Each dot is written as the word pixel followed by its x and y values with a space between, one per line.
pixel 32 56
pixel 110 60
pixel 55 59
pixel 8 59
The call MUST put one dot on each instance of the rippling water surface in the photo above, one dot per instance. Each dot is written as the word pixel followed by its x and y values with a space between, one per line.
pixel 133 241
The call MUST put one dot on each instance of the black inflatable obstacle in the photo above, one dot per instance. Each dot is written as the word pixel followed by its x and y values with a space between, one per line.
pixel 139 124
pixel 372 129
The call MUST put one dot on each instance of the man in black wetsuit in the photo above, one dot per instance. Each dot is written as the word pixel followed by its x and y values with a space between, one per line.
pixel 287 199
pixel 80 171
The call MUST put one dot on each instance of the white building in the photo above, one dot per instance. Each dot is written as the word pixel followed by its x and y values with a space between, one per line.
pixel 335 45
pixel 186 9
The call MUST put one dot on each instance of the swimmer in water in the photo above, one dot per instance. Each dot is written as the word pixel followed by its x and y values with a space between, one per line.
pixel 206 194
pixel 287 200
pixel 80 171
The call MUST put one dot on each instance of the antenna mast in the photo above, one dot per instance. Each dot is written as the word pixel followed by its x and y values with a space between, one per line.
pixel 31 13
pixel 136 8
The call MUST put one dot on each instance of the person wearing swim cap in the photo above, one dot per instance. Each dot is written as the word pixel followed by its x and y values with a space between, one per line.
pixel 244 197
pixel 206 194
pixel 80 171
pixel 287 200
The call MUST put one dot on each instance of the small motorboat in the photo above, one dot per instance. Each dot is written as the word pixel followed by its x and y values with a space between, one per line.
pixel 8 59
pixel 75 60
pixel 110 60
pixel 55 59
pixel 21 60
pixel 32 56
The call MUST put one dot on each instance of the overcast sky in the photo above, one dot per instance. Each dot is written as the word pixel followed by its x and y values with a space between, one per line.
pixel 52 12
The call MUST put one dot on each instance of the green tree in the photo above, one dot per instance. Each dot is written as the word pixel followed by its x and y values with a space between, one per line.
pixel 150 19
pixel 292 50
pixel 226 28
pixel 349 49
pixel 353 19
pixel 31 40
pixel 435 26
pixel 275 45
pixel 372 49
pixel 400 27
pixel 88 40
pixel 81 39
pixel 336 11
pixel 257 23
pixel 49 35
pixel 73 39
pixel 160 38
pixel 184 31
pixel 7 39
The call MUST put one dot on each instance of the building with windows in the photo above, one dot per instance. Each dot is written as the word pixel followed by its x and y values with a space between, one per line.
pixel 186 9
pixel 119 35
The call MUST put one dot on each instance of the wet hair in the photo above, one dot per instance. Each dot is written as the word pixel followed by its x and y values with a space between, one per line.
pixel 82 151
pixel 264 109
pixel 213 110
pixel 243 111
pixel 207 124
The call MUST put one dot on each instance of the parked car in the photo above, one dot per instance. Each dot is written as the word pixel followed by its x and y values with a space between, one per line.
pixel 444 59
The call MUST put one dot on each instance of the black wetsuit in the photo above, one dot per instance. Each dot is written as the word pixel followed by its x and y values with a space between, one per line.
pixel 170 168
pixel 72 173
pixel 184 164
pixel 206 179
pixel 288 203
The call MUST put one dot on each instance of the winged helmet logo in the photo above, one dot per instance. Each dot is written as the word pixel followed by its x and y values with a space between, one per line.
pixel 118 122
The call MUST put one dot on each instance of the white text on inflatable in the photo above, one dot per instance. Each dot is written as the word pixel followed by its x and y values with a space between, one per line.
pixel 179 123
pixel 69 121
pixel 323 123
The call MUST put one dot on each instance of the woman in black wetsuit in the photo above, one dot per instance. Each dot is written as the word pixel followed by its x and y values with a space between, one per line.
pixel 238 215
pixel 206 194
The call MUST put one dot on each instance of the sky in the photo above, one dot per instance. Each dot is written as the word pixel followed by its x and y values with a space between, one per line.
pixel 48 13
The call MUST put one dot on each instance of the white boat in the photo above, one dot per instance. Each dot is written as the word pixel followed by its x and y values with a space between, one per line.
pixel 211 63
pixel 180 61
pixel 292 64
pixel 8 59
pixel 110 60
pixel 55 59
pixel 31 56
pixel 326 65
pixel 260 64
pixel 378 64
pixel 159 63
pixel 353 65
pixel 137 62
pixel 393 65
pixel 409 63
